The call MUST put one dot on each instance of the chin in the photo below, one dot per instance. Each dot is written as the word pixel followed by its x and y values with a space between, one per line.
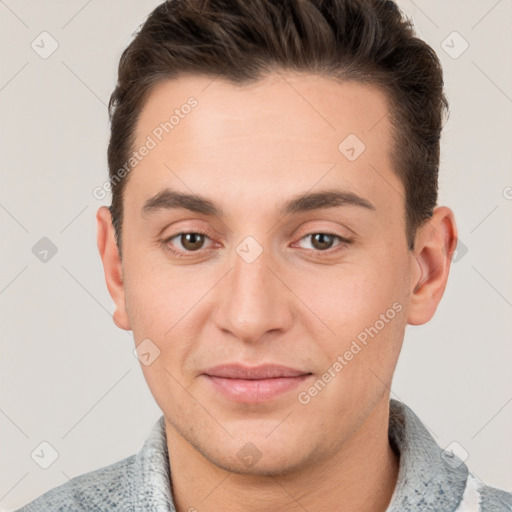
pixel 265 465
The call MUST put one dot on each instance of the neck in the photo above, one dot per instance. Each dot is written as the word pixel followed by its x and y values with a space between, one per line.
pixel 361 477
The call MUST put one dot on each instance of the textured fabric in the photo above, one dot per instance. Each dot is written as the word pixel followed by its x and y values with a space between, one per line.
pixel 429 480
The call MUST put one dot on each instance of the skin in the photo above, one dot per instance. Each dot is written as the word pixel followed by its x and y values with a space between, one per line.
pixel 249 149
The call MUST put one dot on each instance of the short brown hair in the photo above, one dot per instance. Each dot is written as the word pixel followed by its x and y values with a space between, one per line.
pixel 369 41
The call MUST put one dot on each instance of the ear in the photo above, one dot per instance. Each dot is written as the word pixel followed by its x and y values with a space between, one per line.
pixel 435 244
pixel 112 266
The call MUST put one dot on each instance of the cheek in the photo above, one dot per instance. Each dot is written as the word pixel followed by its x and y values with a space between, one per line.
pixel 362 305
pixel 170 308
pixel 347 297
pixel 156 297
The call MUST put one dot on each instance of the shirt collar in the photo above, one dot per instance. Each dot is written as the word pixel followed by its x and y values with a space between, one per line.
pixel 153 482
pixel 429 479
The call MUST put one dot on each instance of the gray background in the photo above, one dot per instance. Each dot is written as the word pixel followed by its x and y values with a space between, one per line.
pixel 68 374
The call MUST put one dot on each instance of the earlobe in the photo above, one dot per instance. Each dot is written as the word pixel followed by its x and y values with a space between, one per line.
pixel 112 266
pixel 436 242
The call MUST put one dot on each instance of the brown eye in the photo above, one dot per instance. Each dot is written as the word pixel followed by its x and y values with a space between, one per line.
pixel 322 241
pixel 192 241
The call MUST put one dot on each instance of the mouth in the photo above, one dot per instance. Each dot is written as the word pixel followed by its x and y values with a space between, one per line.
pixel 256 384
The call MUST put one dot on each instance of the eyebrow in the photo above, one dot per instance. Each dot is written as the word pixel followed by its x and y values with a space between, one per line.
pixel 169 199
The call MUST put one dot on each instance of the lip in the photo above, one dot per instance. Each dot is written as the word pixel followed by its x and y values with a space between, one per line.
pixel 256 384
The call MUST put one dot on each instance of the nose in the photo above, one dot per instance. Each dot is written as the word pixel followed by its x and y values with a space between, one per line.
pixel 254 300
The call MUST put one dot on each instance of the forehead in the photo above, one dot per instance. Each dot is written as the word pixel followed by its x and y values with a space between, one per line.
pixel 287 130
pixel 269 108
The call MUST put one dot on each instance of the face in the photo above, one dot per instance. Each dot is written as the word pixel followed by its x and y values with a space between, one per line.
pixel 228 288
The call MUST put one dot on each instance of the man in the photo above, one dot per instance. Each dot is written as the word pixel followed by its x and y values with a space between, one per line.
pixel 273 230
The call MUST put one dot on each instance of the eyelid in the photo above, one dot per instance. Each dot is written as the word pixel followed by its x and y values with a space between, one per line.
pixel 339 231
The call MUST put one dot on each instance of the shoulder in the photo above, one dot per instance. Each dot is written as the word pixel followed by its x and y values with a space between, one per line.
pixel 435 479
pixel 480 497
pixel 138 482
pixel 494 500
pixel 106 488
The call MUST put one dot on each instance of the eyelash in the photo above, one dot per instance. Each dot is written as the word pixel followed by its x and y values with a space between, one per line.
pixel 313 252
